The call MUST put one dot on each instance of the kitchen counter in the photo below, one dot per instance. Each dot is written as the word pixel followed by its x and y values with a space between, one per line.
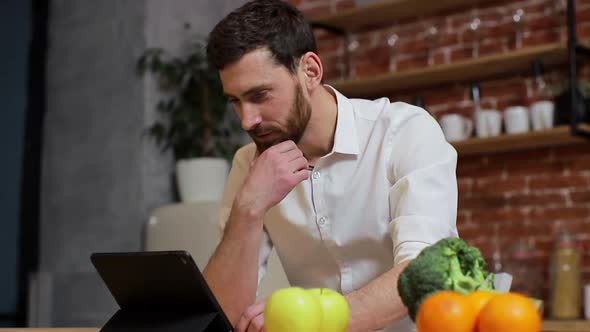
pixel 49 329
pixel 548 326
pixel 566 326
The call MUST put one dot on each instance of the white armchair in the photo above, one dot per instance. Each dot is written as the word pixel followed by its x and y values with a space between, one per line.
pixel 193 227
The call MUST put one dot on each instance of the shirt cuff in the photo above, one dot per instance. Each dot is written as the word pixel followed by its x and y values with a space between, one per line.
pixel 411 234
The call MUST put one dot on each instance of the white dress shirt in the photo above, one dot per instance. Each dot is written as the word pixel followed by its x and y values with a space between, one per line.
pixel 386 190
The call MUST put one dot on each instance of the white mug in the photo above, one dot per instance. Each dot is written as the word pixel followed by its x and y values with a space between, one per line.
pixel 516 119
pixel 456 127
pixel 542 114
pixel 488 123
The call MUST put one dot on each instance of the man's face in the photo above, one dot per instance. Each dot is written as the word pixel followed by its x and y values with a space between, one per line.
pixel 268 99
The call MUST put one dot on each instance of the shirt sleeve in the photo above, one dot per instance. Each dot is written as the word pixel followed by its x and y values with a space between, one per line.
pixel 423 194
pixel 235 180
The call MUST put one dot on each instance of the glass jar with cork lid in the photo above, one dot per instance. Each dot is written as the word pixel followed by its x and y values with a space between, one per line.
pixel 565 277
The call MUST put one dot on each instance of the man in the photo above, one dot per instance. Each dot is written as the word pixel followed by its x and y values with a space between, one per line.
pixel 382 187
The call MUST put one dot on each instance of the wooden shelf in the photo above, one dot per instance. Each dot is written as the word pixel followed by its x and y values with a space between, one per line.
pixel 384 12
pixel 566 326
pixel 464 71
pixel 535 139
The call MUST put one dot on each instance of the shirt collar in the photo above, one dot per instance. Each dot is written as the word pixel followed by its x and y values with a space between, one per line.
pixel 345 138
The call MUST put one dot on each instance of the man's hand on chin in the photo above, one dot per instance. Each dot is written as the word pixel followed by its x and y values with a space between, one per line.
pixel 271 177
pixel 252 320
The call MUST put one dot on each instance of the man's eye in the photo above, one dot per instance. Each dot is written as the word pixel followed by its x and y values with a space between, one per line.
pixel 258 97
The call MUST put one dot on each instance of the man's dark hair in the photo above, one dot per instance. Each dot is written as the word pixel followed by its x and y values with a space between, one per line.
pixel 272 24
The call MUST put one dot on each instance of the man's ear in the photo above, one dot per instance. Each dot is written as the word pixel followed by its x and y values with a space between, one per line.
pixel 312 70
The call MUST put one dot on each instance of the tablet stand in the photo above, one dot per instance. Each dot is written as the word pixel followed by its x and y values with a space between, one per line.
pixel 125 320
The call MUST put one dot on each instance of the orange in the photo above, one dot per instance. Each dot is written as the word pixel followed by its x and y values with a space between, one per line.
pixel 509 312
pixel 478 299
pixel 445 311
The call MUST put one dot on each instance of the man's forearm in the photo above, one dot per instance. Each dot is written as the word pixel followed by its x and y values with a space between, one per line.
pixel 378 304
pixel 232 271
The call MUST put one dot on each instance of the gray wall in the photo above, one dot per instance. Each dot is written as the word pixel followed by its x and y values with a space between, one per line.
pixel 14 38
pixel 101 177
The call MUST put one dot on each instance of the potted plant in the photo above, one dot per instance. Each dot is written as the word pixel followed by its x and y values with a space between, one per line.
pixel 195 120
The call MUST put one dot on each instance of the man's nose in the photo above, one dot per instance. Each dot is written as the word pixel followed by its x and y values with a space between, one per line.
pixel 250 119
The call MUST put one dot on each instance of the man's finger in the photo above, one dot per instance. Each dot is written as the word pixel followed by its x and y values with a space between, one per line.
pixel 299 164
pixel 302 175
pixel 242 324
pixel 257 324
pixel 292 154
pixel 284 146
pixel 249 314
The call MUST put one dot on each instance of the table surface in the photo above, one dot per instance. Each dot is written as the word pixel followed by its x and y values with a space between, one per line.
pixel 94 329
pixel 549 326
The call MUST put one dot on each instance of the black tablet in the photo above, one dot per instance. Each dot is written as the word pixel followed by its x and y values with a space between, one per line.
pixel 163 290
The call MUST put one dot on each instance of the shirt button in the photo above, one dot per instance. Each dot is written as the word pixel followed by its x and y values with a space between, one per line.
pixel 322 221
pixel 316 175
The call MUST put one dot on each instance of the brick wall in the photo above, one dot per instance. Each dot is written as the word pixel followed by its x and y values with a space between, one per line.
pixel 516 195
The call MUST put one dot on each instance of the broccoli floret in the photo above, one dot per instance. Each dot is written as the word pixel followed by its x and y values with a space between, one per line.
pixel 449 264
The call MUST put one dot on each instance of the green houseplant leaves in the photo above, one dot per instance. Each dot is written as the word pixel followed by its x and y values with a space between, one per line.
pixel 194 114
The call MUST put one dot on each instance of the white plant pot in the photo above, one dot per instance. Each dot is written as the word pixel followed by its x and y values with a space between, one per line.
pixel 201 179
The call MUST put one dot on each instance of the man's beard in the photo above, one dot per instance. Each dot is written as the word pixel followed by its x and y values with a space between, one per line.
pixel 298 118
